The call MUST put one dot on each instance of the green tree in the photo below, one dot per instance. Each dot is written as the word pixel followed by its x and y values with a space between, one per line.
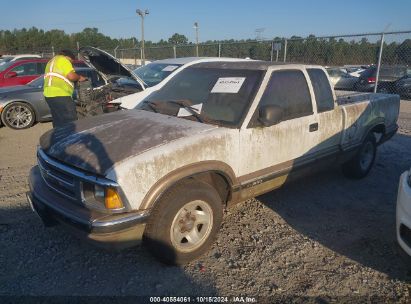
pixel 178 39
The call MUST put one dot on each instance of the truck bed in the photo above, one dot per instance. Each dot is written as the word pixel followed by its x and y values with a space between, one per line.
pixel 362 109
pixel 347 97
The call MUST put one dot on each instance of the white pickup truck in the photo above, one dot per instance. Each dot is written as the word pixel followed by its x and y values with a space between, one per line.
pixel 216 134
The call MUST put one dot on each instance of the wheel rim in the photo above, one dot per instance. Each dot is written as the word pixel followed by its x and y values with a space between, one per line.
pixel 191 226
pixel 367 155
pixel 18 116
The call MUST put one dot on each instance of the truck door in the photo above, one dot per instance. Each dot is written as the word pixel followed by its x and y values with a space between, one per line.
pixel 329 116
pixel 269 151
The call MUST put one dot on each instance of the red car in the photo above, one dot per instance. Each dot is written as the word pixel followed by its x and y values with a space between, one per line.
pixel 23 71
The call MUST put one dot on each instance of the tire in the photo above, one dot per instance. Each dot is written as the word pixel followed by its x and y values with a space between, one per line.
pixel 360 165
pixel 175 234
pixel 18 116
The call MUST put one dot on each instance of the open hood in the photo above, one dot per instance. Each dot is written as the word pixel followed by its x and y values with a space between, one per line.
pixel 107 64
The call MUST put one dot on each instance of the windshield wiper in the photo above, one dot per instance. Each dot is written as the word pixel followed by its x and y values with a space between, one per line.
pixel 186 104
pixel 157 106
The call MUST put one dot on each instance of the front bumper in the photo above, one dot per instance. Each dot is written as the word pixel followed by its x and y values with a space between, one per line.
pixel 108 230
pixel 403 227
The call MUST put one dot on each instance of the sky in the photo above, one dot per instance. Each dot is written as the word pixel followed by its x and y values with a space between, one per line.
pixel 217 19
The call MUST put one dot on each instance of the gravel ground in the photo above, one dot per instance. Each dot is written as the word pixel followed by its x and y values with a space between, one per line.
pixel 326 238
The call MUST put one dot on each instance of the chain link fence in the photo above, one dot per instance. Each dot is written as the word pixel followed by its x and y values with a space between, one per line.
pixel 389 53
pixel 386 55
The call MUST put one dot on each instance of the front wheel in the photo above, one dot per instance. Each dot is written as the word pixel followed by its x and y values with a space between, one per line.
pixel 18 115
pixel 359 166
pixel 184 223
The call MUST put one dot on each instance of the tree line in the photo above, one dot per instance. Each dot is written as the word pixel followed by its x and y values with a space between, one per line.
pixel 325 51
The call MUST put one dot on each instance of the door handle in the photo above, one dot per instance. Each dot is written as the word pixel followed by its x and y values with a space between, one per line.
pixel 313 127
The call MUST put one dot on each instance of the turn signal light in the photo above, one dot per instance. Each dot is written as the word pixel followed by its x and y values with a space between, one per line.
pixel 112 199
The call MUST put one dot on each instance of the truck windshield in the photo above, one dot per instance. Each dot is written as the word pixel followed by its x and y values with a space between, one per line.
pixel 216 95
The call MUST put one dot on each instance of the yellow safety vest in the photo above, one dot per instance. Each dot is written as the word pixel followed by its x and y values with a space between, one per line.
pixel 55 81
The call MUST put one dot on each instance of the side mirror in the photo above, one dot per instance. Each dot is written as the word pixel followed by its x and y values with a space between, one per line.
pixel 11 75
pixel 270 115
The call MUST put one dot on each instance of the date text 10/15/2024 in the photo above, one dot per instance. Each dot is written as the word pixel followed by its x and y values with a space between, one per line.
pixel 235 299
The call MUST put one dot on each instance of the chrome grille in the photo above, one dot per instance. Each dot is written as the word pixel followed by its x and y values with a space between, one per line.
pixel 58 180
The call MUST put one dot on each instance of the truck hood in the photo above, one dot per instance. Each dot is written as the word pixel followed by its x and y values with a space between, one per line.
pixel 97 144
pixel 107 64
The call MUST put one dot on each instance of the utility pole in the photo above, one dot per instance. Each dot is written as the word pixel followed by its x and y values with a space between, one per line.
pixel 142 14
pixel 196 28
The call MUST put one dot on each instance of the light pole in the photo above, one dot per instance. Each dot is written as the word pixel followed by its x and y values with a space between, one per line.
pixel 142 14
pixel 196 28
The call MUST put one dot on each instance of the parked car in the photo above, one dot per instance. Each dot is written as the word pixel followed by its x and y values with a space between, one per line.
pixel 23 71
pixel 22 106
pixel 156 74
pixel 354 70
pixel 403 85
pixel 389 74
pixel 403 227
pixel 10 58
pixel 341 80
pixel 216 134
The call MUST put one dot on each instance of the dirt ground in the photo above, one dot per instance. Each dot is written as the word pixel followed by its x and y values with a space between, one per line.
pixel 325 239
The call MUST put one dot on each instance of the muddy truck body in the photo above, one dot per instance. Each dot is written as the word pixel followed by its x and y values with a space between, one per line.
pixel 218 134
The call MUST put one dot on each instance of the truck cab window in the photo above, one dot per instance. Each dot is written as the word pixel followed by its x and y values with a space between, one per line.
pixel 288 89
pixel 322 90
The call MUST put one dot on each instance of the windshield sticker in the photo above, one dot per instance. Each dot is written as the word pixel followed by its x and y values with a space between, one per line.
pixel 170 68
pixel 183 112
pixel 228 85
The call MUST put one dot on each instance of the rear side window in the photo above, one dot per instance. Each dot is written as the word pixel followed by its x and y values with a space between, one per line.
pixel 322 90
pixel 26 69
pixel 288 89
pixel 41 66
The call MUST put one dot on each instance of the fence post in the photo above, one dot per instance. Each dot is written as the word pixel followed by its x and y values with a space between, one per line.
pixel 272 51
pixel 52 51
pixel 285 50
pixel 78 50
pixel 115 51
pixel 379 63
pixel 175 51
pixel 219 50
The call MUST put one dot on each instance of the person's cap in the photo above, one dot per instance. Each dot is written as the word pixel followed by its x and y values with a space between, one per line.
pixel 67 53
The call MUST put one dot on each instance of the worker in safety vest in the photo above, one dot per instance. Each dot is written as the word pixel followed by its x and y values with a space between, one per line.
pixel 59 78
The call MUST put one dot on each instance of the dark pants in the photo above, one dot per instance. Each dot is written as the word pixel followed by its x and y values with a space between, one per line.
pixel 63 110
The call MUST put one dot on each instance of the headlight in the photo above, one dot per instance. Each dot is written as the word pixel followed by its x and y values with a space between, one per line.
pixel 99 197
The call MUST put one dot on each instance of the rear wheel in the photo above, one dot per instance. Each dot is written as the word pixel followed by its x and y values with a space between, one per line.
pixel 18 115
pixel 184 223
pixel 359 166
